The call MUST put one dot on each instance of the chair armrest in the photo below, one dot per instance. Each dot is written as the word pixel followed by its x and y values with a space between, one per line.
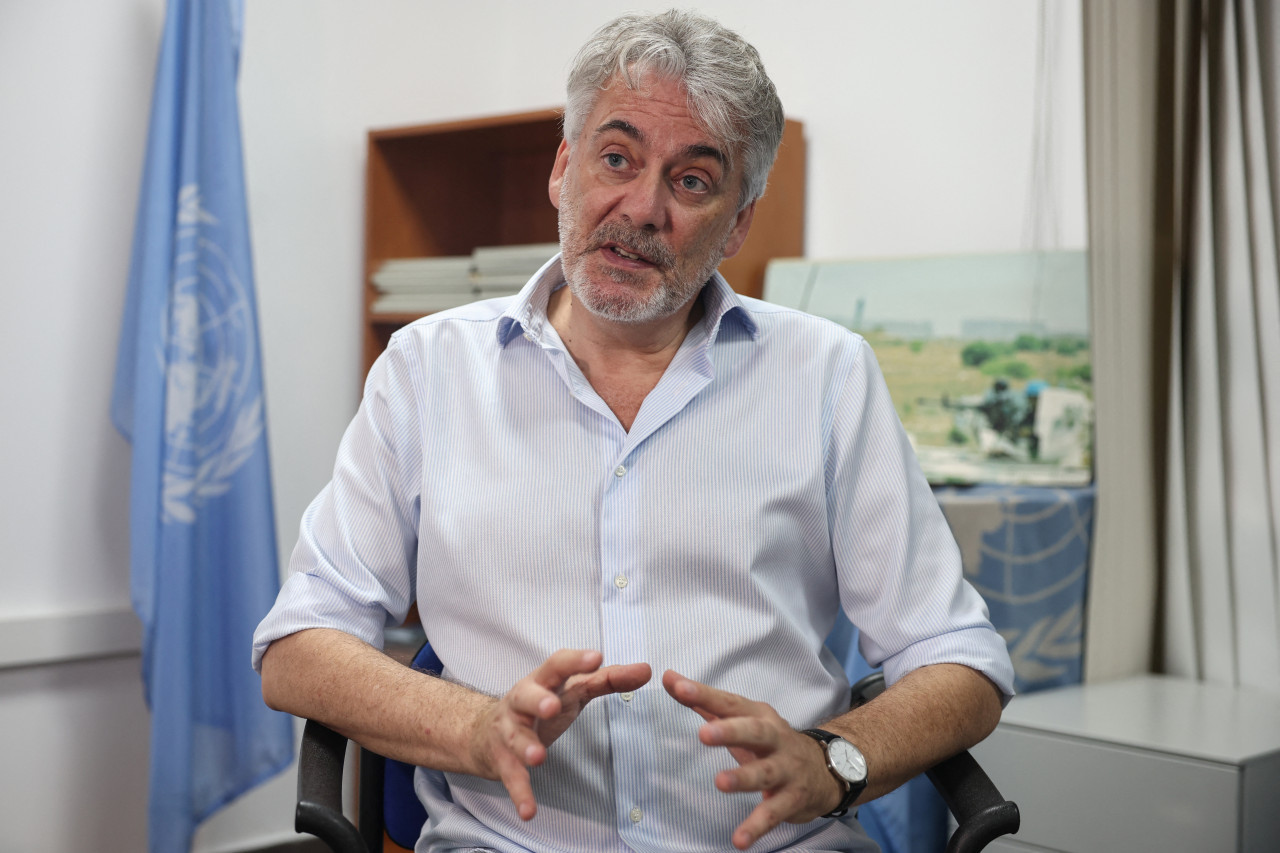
pixel 319 811
pixel 981 812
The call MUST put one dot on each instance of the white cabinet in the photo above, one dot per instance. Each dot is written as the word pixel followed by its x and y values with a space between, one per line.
pixel 1143 764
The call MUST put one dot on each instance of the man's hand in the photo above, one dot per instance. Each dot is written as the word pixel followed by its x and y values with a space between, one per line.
pixel 787 767
pixel 512 734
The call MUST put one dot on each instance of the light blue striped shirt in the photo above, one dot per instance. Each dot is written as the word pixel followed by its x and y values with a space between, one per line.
pixel 765 482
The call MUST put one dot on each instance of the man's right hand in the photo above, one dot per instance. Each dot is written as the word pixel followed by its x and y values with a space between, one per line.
pixel 512 734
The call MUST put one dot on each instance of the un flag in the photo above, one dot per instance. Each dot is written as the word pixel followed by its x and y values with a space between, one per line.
pixel 188 395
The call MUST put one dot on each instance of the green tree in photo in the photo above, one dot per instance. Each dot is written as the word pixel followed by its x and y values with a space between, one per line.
pixel 978 352
pixel 1030 343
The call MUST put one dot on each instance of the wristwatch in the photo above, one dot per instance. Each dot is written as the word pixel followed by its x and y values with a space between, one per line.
pixel 846 763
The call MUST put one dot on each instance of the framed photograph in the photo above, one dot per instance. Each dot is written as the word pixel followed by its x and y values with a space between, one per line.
pixel 986 356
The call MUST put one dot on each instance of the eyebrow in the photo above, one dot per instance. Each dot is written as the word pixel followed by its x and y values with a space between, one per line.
pixel 695 151
pixel 624 127
pixel 691 152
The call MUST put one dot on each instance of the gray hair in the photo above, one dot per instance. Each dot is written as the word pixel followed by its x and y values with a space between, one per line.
pixel 730 94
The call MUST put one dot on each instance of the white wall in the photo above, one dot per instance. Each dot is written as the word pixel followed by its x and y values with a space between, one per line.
pixel 918 118
pixel 75 81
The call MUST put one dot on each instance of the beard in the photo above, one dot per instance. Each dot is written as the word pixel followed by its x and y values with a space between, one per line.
pixel 636 301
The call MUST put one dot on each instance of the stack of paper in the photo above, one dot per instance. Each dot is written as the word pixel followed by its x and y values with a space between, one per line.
pixel 418 285
pixel 510 266
pixel 423 285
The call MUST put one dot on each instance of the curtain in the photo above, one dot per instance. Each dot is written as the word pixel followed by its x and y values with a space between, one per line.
pixel 1221 567
pixel 1128 296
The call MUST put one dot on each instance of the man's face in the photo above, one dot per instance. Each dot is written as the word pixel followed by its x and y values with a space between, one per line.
pixel 648 207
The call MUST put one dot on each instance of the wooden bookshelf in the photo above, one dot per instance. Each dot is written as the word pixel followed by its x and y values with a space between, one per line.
pixel 444 189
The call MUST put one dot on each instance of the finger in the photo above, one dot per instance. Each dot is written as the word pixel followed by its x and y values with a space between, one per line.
pixel 515 778
pixel 627 676
pixel 758 734
pixel 532 700
pixel 758 775
pixel 531 697
pixel 764 817
pixel 610 679
pixel 706 715
pixel 523 742
pixel 701 696
pixel 562 665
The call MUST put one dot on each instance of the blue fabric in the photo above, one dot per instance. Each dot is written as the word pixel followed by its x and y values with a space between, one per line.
pixel 188 396
pixel 402 812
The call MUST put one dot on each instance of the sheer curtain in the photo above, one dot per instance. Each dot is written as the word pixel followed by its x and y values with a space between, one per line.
pixel 1129 294
pixel 1221 580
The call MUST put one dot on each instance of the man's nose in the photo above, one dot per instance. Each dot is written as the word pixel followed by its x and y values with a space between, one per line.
pixel 644 202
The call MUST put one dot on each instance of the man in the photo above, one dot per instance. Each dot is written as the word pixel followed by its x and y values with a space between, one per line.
pixel 628 469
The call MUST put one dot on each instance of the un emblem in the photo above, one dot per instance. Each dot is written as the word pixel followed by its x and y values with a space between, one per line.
pixel 213 405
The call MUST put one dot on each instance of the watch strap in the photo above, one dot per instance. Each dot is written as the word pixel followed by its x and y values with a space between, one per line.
pixel 851 790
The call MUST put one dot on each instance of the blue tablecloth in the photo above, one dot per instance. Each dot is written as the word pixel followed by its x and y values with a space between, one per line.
pixel 1026 549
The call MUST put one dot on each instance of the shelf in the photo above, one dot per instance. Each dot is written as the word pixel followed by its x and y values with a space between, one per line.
pixel 396 319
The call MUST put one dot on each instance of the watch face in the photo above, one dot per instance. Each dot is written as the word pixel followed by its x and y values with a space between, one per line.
pixel 847 761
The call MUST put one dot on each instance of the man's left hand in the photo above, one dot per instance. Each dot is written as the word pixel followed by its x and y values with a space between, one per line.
pixel 788 768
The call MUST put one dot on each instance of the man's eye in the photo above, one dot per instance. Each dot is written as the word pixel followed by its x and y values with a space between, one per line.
pixel 693 184
pixel 615 160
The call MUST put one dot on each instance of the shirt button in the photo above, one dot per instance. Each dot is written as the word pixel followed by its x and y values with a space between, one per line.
pixel 636 814
pixel 620 581
pixel 626 697
pixel 528 336
pixel 619 471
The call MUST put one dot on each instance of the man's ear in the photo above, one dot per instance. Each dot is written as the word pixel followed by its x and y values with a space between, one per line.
pixel 738 235
pixel 557 173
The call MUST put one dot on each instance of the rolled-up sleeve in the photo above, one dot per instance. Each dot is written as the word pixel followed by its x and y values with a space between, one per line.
pixel 901 578
pixel 353 567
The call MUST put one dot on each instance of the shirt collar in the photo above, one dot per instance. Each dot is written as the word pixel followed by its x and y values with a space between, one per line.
pixel 528 313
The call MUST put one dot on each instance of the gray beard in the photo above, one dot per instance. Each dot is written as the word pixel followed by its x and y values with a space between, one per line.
pixel 669 297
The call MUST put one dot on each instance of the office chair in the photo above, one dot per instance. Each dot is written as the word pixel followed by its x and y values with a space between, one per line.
pixel 387 801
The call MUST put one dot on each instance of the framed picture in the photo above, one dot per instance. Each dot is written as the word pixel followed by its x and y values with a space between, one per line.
pixel 986 356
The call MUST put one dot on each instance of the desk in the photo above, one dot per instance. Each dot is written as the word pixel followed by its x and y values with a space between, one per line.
pixel 1141 764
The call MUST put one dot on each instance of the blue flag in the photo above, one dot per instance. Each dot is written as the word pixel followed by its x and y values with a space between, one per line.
pixel 188 396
